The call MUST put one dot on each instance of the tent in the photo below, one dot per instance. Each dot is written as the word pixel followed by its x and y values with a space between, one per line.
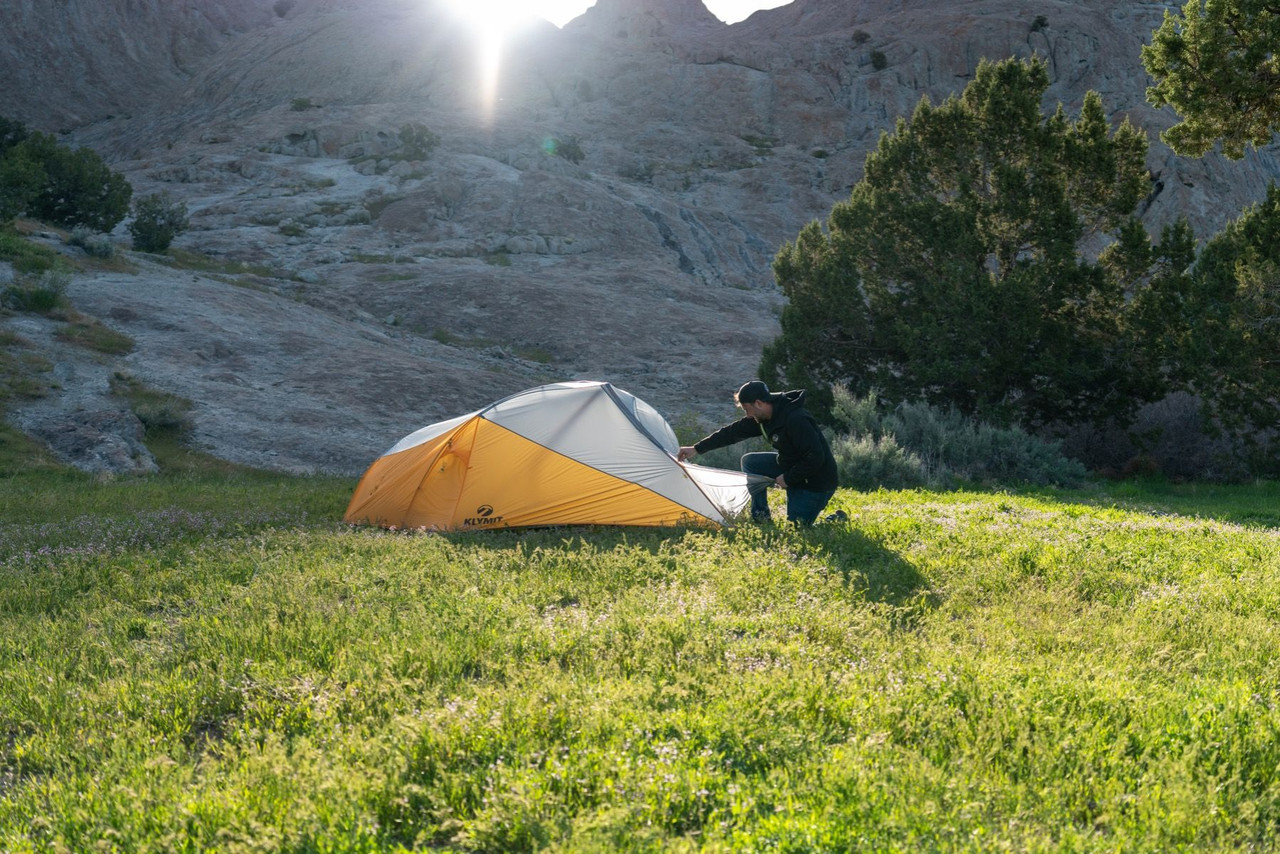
pixel 572 453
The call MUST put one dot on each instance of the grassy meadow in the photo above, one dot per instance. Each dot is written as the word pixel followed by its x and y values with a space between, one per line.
pixel 213 662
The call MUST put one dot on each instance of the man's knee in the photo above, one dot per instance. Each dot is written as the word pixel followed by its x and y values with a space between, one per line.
pixel 760 462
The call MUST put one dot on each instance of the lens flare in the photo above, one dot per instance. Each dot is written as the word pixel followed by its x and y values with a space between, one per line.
pixel 491 24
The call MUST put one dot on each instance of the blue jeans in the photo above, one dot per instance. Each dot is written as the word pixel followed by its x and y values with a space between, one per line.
pixel 803 505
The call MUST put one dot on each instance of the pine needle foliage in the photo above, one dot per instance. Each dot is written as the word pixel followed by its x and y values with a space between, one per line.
pixel 956 272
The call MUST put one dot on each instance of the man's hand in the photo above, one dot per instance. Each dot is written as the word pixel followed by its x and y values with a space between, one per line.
pixel 686 452
pixel 781 481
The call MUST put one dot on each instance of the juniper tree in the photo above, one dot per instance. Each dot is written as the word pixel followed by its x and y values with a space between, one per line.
pixel 1218 65
pixel 956 272
pixel 157 220
pixel 77 186
pixel 1228 323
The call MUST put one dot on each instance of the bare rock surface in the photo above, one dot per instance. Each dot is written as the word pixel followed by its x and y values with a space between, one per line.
pixel 607 208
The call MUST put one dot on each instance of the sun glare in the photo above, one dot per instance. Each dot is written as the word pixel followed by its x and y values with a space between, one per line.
pixel 492 23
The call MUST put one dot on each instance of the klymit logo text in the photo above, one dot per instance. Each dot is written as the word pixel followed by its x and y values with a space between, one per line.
pixel 484 516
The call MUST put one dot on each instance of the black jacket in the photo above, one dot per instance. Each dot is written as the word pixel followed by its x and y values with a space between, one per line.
pixel 803 452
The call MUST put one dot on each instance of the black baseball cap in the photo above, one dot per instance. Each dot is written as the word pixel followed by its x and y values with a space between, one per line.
pixel 752 391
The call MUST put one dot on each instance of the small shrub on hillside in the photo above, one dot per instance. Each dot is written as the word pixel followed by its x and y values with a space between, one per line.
pixel 93 244
pixel 20 180
pixel 12 132
pixel 878 60
pixel 78 188
pixel 28 258
pixel 569 149
pixel 22 369
pixel 417 141
pixel 87 332
pixel 37 294
pixel 161 414
pixel 157 220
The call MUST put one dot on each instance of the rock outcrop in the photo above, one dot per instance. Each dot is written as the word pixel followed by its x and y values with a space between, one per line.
pixel 606 207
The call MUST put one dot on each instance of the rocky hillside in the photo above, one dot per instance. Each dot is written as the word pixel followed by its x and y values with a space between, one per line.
pixel 607 208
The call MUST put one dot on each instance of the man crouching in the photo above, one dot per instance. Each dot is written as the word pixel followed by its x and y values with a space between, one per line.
pixel 801 463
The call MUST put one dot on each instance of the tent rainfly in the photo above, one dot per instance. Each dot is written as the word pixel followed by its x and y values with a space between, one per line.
pixel 572 453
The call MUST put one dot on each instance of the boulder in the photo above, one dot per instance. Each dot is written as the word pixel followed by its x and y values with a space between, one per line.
pixel 99 442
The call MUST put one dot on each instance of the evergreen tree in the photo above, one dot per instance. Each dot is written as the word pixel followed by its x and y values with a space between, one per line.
pixel 955 272
pixel 1218 65
pixel 20 180
pixel 78 187
pixel 1228 335
pixel 157 220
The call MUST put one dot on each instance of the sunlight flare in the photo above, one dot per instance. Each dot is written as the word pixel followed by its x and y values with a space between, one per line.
pixel 491 23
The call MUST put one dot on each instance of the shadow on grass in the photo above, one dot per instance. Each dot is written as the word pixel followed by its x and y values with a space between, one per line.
pixel 881 574
pixel 871 571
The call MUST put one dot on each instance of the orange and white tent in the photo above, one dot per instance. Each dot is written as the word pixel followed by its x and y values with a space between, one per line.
pixel 574 453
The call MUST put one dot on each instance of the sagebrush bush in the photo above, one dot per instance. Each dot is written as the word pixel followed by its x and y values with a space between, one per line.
pixel 157 220
pixel 417 141
pixel 943 444
pixel 868 462
pixel 161 414
pixel 37 294
pixel 93 244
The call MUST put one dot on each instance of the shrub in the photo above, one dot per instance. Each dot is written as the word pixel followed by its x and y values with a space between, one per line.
pixel 417 141
pixel 868 462
pixel 87 332
pixel 299 105
pixel 40 295
pixel 569 149
pixel 12 132
pixel 949 442
pixel 878 60
pixel 95 245
pixel 28 258
pixel 20 180
pixel 157 220
pixel 77 187
pixel 1174 435
pixel 161 413
pixel 941 445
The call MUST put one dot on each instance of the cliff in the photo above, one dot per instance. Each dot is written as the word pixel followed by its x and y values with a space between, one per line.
pixel 606 207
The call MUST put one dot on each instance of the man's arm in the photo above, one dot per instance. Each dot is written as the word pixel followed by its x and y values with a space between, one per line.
pixel 743 428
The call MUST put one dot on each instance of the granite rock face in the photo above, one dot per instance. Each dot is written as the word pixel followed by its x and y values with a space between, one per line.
pixel 605 204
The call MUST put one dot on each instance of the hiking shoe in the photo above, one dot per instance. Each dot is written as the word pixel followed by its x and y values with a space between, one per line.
pixel 838 516
pixel 761 518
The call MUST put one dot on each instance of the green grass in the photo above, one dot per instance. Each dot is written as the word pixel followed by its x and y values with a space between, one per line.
pixel 203 662
pixel 89 333
pixel 27 257
pixel 185 259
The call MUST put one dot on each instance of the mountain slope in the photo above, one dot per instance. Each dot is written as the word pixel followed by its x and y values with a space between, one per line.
pixel 644 261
